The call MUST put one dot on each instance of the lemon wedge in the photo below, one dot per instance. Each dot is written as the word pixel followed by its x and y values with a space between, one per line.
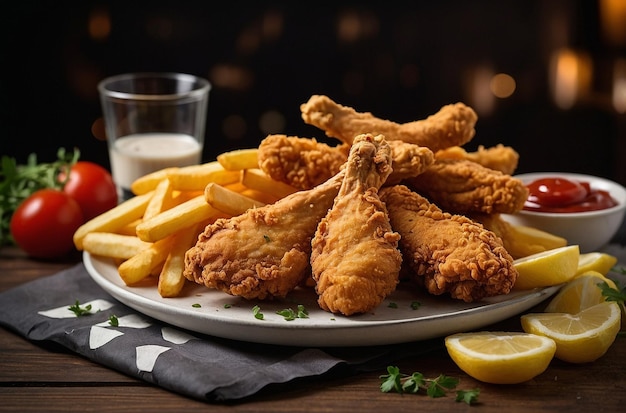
pixel 501 357
pixel 580 293
pixel 552 267
pixel 580 338
pixel 596 261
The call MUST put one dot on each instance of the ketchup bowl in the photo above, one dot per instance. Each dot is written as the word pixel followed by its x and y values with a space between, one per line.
pixel 590 222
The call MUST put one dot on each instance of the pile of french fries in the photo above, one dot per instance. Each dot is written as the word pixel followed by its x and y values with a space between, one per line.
pixel 149 234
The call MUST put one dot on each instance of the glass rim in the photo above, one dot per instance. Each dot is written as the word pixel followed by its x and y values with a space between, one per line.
pixel 201 86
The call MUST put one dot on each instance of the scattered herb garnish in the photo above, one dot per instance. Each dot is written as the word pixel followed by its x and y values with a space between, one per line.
pixel 393 305
pixel 18 182
pixel 291 315
pixel 227 305
pixel 114 321
pixel 80 311
pixel 266 238
pixel 415 305
pixel 196 305
pixel 256 310
pixel 416 382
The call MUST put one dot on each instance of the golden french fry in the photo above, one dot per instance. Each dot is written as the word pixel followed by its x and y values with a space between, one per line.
pixel 258 180
pixel 129 229
pixel 228 201
pixel 172 220
pixel 258 196
pixel 111 245
pixel 149 182
pixel 161 199
pixel 196 177
pixel 141 265
pixel 113 219
pixel 171 279
pixel 239 159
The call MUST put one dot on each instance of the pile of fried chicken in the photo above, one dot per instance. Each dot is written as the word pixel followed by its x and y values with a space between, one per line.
pixel 386 197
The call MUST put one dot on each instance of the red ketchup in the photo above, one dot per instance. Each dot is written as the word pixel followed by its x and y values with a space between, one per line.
pixel 564 195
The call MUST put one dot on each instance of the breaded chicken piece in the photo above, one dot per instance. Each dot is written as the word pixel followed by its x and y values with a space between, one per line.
pixel 460 186
pixel 305 163
pixel 263 253
pixel 300 162
pixel 408 161
pixel 355 258
pixel 452 125
pixel 501 158
pixel 449 253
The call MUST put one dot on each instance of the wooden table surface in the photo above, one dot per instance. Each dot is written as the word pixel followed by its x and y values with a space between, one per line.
pixel 46 378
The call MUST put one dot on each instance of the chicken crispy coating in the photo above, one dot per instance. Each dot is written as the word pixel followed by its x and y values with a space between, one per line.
pixel 461 186
pixel 300 162
pixel 452 125
pixel 500 158
pixel 448 253
pixel 355 259
pixel 304 162
pixel 263 253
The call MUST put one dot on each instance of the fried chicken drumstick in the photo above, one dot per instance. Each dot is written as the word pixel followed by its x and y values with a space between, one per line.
pixel 265 252
pixel 461 186
pixel 448 253
pixel 501 158
pixel 305 163
pixel 453 125
pixel 355 259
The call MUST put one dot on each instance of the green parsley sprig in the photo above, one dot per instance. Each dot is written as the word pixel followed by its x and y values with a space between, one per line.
pixel 417 383
pixel 18 182
pixel 80 311
pixel 290 314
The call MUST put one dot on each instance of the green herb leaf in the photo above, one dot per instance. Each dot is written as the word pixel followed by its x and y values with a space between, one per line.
pixel 467 396
pixel 391 381
pixel 18 182
pixel 290 315
pixel 438 387
pixel 414 383
pixel 256 310
pixel 114 321
pixel 302 312
pixel 80 311
pixel 196 305
pixel 614 294
pixel 415 305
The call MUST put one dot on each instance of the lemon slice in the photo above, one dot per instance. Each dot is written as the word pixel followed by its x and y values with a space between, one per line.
pixel 580 293
pixel 596 261
pixel 580 338
pixel 547 268
pixel 499 357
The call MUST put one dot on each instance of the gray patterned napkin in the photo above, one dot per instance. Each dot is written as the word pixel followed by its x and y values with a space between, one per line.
pixel 195 365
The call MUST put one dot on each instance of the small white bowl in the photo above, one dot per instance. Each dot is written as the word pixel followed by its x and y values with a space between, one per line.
pixel 590 230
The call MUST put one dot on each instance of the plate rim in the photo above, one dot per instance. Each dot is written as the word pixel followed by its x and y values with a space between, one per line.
pixel 260 332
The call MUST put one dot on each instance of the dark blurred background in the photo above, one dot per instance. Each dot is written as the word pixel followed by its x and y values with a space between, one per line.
pixel 545 77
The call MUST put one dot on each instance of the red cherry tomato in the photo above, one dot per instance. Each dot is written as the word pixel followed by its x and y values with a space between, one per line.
pixel 556 192
pixel 44 224
pixel 92 187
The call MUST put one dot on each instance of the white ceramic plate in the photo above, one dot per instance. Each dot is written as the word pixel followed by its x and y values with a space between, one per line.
pixel 215 313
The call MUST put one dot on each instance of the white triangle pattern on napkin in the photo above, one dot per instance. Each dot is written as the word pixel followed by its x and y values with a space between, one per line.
pixel 102 333
pixel 65 312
